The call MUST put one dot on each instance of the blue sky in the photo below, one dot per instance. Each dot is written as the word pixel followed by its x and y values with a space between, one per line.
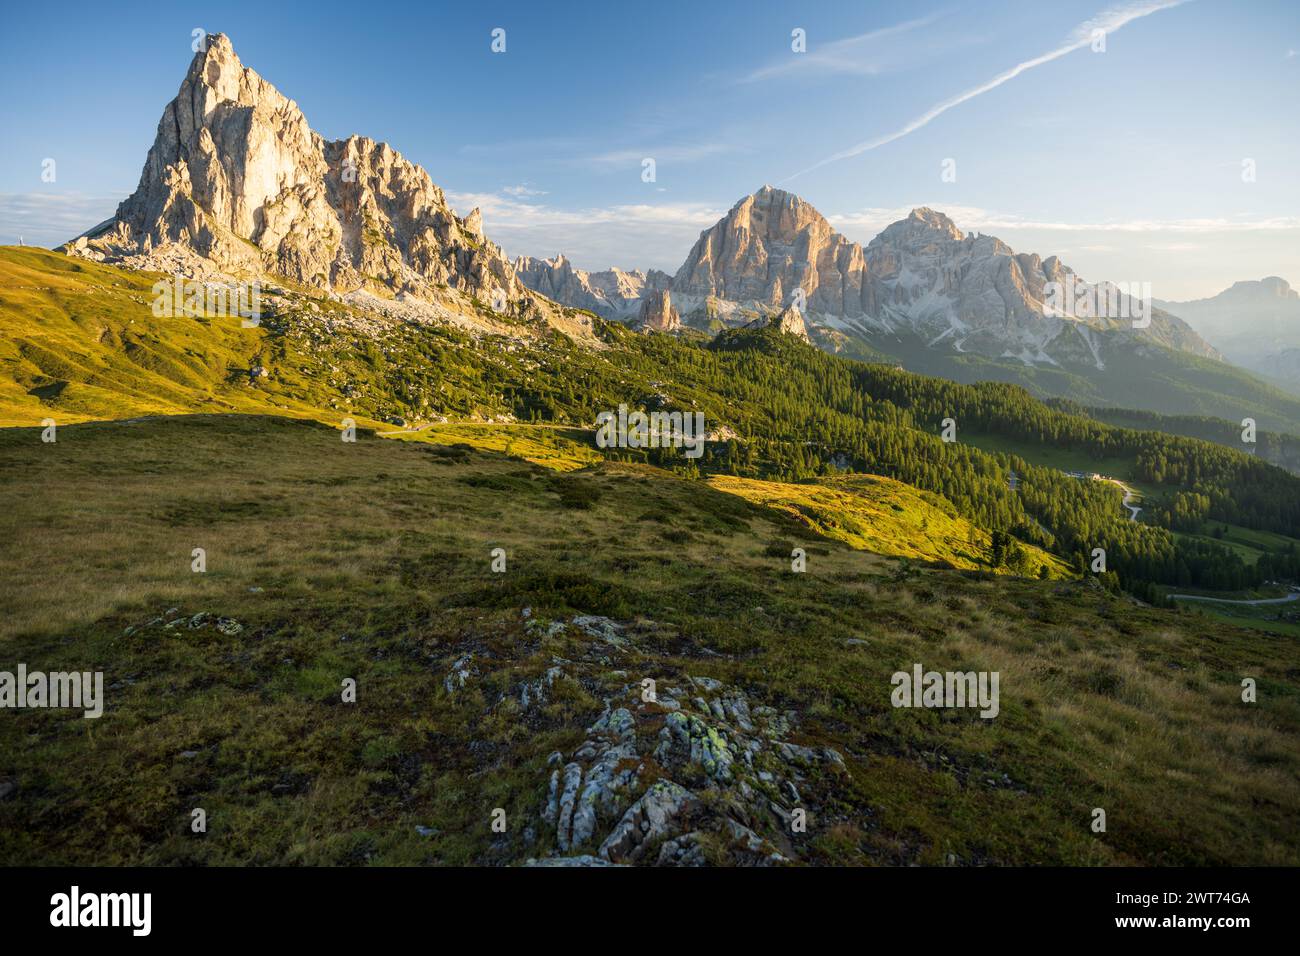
pixel 1127 163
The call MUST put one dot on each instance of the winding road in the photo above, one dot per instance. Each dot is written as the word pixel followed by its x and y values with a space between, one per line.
pixel 1129 495
pixel 1200 597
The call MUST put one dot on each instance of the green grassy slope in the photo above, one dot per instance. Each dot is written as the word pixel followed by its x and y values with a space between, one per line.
pixel 1247 542
pixel 888 517
pixel 371 561
pixel 80 342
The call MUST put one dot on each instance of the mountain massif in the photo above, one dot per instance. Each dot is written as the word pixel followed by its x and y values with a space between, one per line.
pixel 921 276
pixel 237 184
pixel 615 294
pixel 937 300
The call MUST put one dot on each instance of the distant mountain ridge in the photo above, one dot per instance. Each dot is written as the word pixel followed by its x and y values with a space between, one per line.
pixel 612 293
pixel 1255 322
pixel 237 185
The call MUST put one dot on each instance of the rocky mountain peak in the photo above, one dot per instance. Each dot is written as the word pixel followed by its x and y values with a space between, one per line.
pixel 923 225
pixel 935 220
pixel 236 181
pixel 218 68
pixel 1256 322
pixel 771 244
pixel 613 293
pixel 777 214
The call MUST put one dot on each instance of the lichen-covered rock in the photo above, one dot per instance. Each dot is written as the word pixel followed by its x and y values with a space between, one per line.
pixel 687 738
pixel 694 774
pixel 535 693
pixel 648 821
pixel 460 672
pixel 585 859
pixel 594 782
pixel 611 632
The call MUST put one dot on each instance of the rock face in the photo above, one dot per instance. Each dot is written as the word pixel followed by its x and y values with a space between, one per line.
pixel 974 293
pixel 1256 323
pixel 699 766
pixel 237 180
pixel 657 313
pixel 771 244
pixel 613 293
pixel 921 277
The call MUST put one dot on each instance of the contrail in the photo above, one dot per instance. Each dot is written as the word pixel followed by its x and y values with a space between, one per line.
pixel 1108 21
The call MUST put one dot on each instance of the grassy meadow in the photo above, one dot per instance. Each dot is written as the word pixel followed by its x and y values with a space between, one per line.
pixel 372 560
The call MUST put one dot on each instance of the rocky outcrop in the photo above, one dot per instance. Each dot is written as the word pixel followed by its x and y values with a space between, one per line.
pixel 691 771
pixel 694 770
pixel 657 313
pixel 237 180
pixel 613 293
pixel 655 776
pixel 788 321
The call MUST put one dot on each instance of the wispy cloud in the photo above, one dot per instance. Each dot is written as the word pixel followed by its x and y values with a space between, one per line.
pixel 691 153
pixel 856 55
pixel 52 218
pixel 633 235
pixel 1108 22
pixel 523 191
pixel 574 152
pixel 864 224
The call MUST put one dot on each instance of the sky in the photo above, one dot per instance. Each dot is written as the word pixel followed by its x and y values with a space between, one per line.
pixel 1164 149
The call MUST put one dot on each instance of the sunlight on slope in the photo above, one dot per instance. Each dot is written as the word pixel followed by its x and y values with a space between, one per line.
pixel 879 514
pixel 80 342
pixel 557 448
